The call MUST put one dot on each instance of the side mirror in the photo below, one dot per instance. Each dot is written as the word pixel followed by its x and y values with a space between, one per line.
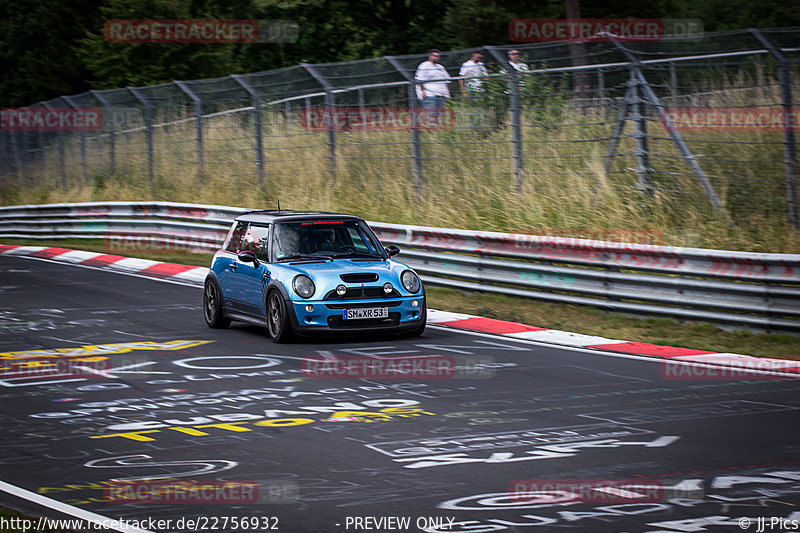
pixel 392 250
pixel 248 256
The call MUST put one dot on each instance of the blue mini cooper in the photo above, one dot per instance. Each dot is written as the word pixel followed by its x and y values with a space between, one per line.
pixel 303 272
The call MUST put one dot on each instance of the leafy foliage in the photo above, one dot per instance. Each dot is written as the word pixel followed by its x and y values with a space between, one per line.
pixel 50 48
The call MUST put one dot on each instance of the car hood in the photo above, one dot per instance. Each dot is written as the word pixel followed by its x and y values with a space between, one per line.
pixel 326 275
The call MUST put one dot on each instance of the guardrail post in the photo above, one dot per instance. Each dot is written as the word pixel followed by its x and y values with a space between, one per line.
pixel 198 125
pixel 789 149
pixel 112 163
pixel 85 174
pixel 516 119
pixel 148 124
pixel 416 143
pixel 330 108
pixel 256 123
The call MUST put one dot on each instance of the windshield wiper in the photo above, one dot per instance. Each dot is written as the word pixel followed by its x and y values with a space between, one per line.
pixel 306 257
pixel 359 254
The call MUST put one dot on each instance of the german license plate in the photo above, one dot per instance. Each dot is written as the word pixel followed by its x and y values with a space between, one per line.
pixel 366 312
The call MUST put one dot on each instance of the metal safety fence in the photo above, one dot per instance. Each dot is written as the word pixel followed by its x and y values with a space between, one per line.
pixel 760 290
pixel 609 110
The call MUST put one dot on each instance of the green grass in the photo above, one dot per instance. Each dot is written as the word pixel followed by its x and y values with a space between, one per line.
pixel 575 318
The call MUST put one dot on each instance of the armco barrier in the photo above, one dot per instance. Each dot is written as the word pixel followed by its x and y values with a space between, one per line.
pixel 741 288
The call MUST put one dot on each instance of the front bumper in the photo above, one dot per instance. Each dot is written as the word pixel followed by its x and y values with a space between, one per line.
pixel 328 315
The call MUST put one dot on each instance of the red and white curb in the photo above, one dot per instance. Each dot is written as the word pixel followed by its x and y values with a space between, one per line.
pixel 578 340
pixel 196 276
pixel 117 263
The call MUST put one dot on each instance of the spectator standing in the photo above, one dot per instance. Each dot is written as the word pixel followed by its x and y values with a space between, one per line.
pixel 513 58
pixel 432 89
pixel 472 68
pixel 522 68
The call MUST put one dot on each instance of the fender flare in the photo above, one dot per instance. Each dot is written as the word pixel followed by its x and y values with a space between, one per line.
pixel 274 285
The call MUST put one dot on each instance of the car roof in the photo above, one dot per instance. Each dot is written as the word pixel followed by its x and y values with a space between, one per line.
pixel 290 216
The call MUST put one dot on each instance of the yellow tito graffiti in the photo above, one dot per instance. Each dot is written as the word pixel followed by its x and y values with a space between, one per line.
pixel 103 349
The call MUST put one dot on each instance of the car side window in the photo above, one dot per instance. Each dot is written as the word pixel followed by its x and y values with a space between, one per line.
pixel 256 240
pixel 235 237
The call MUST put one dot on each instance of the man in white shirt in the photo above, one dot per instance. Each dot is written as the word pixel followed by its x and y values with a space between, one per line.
pixel 472 68
pixel 432 89
pixel 432 81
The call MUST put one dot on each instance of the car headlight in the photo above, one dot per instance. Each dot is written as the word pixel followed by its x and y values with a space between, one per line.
pixel 410 281
pixel 303 286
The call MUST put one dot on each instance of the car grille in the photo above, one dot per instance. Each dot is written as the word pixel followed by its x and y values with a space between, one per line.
pixel 359 277
pixel 360 293
pixel 367 304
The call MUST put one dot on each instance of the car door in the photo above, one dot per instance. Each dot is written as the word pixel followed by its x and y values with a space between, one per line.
pixel 250 278
pixel 227 265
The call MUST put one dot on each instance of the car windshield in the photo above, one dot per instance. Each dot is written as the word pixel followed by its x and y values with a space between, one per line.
pixel 324 239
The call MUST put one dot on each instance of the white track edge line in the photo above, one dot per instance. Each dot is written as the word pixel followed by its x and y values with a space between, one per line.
pixel 70 509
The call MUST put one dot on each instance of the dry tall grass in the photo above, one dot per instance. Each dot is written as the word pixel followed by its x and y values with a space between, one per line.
pixel 468 179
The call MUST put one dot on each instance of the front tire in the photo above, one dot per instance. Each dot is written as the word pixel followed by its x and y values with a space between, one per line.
pixel 279 328
pixel 212 306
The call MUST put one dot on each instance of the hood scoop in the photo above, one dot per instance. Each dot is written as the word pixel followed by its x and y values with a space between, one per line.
pixel 359 277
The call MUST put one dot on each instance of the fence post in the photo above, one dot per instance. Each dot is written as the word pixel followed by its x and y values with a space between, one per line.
pixel 601 83
pixel 650 96
pixel 85 174
pixel 516 120
pixel 198 126
pixel 62 169
pixel 639 117
pixel 5 165
pixel 41 143
pixel 330 107
pixel 789 150
pixel 673 79
pixel 759 70
pixel 148 124
pixel 416 142
pixel 111 131
pixel 17 158
pixel 256 123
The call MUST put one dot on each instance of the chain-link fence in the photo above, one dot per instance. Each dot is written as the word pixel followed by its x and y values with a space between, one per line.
pixel 654 120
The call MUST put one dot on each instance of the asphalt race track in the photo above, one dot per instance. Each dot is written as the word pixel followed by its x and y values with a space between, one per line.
pixel 522 437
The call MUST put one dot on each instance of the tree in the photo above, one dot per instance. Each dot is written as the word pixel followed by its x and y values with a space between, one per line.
pixel 36 49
